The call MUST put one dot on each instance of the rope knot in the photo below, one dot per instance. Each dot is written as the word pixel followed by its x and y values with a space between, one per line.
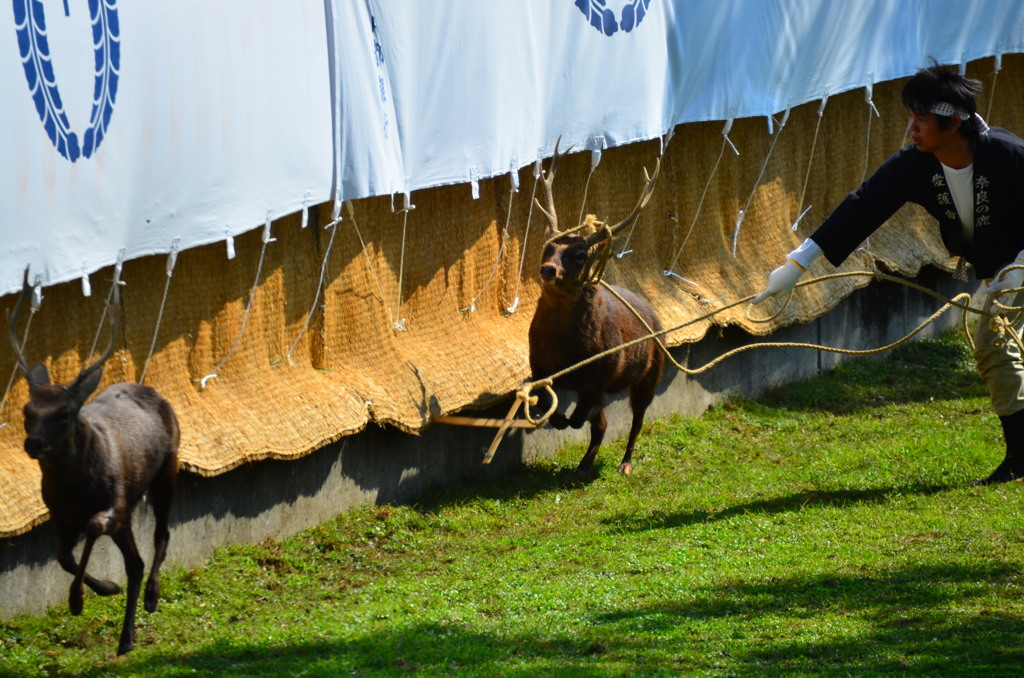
pixel 523 394
pixel 1001 328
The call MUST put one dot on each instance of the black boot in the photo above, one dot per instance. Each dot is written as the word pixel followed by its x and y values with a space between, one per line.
pixel 1012 466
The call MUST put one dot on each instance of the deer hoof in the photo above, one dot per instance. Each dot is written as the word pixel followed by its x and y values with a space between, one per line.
pixel 625 468
pixel 585 470
pixel 127 640
pixel 152 596
pixel 75 603
pixel 107 588
pixel 559 421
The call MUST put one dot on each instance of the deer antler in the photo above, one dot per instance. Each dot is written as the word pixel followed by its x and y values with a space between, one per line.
pixel 26 290
pixel 549 179
pixel 115 307
pixel 645 197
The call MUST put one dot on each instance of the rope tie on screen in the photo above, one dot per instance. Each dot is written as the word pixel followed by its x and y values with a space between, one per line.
pixel 992 89
pixel 526 236
pixel 514 180
pixel 333 225
pixel 37 300
pixel 757 182
pixel 366 255
pixel 399 324
pixel 172 259
pixel 872 111
pixel 663 145
pixel 810 162
pixel 267 239
pixel 118 266
pixel 696 214
pixel 595 160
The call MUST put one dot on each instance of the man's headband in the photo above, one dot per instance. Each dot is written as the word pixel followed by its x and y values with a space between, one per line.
pixel 946 109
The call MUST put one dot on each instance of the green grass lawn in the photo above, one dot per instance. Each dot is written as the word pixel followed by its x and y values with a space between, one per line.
pixel 827 529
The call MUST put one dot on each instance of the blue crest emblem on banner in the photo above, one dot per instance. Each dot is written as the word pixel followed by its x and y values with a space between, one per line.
pixel 33 43
pixel 605 20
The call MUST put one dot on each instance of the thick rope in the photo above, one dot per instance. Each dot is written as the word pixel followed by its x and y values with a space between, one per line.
pixel 961 301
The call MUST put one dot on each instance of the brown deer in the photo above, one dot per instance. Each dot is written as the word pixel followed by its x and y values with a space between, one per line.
pixel 577 319
pixel 97 460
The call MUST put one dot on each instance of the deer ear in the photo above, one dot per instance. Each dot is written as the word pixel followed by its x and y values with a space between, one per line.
pixel 88 385
pixel 38 375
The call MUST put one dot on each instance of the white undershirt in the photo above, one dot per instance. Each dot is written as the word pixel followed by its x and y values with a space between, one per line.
pixel 961 187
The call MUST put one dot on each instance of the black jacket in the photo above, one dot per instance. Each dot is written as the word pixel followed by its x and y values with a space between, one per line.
pixel 910 175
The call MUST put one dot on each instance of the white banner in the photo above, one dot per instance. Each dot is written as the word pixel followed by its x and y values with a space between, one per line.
pixel 482 88
pixel 134 127
pixel 755 58
pixel 130 125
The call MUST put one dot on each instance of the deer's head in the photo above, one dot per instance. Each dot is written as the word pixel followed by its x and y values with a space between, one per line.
pixel 51 413
pixel 570 260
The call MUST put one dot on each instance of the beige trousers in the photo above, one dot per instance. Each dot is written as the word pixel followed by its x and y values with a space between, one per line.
pixel 999 360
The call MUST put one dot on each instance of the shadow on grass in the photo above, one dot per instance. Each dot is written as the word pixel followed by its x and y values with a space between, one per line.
pixel 841 397
pixel 769 627
pixel 922 371
pixel 521 483
pixel 915 623
pixel 799 501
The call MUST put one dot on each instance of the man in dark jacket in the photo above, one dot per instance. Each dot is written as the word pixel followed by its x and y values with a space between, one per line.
pixel 970 177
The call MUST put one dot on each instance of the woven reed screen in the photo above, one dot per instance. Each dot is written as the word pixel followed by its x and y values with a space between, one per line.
pixel 458 345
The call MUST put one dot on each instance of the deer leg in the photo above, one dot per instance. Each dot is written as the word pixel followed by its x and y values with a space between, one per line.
pixel 135 568
pixel 160 496
pixel 97 526
pixel 559 421
pixel 598 425
pixel 588 407
pixel 65 543
pixel 640 398
pixel 75 600
pixel 626 465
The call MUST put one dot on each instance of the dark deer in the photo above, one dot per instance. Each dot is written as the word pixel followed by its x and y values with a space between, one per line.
pixel 97 460
pixel 577 319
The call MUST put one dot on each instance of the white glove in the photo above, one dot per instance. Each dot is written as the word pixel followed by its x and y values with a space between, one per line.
pixel 780 281
pixel 784 278
pixel 1008 278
